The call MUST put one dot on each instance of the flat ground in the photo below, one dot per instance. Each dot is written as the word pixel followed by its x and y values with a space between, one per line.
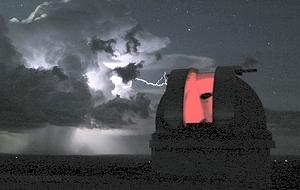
pixel 116 172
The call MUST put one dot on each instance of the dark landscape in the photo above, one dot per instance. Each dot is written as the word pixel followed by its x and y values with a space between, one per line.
pixel 118 172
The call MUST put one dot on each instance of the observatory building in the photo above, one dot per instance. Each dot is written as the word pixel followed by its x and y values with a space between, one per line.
pixel 213 125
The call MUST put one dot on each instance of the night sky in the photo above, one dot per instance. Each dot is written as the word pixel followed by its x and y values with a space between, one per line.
pixel 80 59
pixel 226 31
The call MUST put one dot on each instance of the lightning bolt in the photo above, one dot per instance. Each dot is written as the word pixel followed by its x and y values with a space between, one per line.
pixel 163 81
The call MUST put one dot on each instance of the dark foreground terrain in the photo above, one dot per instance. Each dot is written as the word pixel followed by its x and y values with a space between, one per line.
pixel 117 172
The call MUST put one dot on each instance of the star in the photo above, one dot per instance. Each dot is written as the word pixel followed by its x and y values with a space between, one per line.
pixel 189 29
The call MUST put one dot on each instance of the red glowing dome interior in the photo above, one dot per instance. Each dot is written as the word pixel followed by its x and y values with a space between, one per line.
pixel 195 109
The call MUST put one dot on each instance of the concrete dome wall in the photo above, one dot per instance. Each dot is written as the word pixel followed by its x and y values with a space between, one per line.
pixel 234 101
pixel 249 111
pixel 170 108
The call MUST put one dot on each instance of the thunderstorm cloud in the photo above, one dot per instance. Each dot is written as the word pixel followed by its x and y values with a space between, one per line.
pixel 129 72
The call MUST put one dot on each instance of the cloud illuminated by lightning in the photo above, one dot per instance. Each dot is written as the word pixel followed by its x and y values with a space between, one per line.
pixel 163 81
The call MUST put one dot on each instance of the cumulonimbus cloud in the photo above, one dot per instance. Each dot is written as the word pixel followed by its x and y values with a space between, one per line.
pixel 77 27
pixel 55 70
